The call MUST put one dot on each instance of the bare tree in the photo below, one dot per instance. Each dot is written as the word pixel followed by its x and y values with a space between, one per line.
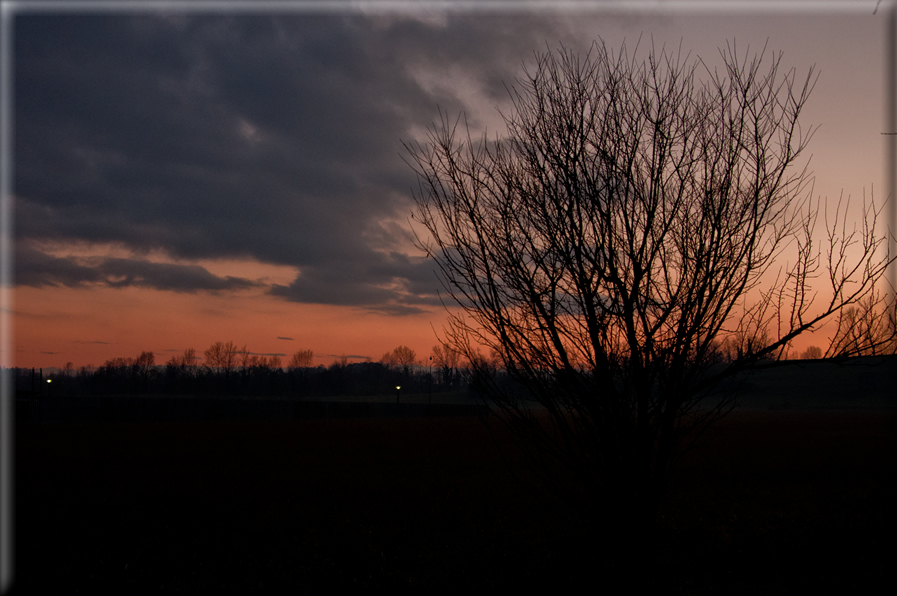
pixel 301 359
pixel 447 361
pixel 866 329
pixel 185 364
pixel 246 358
pixel 402 356
pixel 811 353
pixel 145 366
pixel 189 361
pixel 117 363
pixel 222 356
pixel 620 234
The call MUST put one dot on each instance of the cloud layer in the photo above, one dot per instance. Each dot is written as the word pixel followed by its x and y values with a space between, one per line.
pixel 37 269
pixel 273 138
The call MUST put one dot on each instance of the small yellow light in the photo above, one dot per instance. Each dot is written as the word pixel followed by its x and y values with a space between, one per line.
pixel 49 380
pixel 398 387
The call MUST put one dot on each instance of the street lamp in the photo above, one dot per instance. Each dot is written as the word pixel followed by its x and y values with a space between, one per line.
pixel 398 392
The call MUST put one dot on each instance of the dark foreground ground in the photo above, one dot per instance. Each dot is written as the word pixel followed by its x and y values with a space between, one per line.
pixel 772 503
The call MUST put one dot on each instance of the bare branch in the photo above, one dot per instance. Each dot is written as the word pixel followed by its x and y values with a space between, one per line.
pixel 614 250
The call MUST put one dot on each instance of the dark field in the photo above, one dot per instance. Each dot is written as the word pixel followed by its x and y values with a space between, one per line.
pixel 770 503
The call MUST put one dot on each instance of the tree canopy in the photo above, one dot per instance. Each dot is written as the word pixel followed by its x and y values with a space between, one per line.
pixel 622 233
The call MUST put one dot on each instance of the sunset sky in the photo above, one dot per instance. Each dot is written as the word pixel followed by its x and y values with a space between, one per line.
pixel 197 175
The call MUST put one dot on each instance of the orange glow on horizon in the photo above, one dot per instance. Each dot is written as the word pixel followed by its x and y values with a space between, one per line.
pixel 87 326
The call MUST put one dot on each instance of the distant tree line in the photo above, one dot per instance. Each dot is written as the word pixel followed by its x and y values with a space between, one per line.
pixel 226 369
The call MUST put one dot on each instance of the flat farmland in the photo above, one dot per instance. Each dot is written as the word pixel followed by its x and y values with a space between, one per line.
pixel 769 502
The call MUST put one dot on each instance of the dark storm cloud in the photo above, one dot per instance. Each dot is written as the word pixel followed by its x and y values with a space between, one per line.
pixel 272 137
pixel 37 269
pixel 388 283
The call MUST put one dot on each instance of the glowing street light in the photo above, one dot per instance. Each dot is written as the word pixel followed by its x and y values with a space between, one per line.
pixel 398 392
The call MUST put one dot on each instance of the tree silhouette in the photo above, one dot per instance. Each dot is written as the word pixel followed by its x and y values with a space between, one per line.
pixel 186 362
pixel 222 356
pixel 402 356
pixel 866 329
pixel 144 367
pixel 189 361
pixel 301 359
pixel 181 371
pixel 447 361
pixel 246 359
pixel 606 248
pixel 811 353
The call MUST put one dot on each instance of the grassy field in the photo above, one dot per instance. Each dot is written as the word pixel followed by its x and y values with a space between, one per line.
pixel 771 503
